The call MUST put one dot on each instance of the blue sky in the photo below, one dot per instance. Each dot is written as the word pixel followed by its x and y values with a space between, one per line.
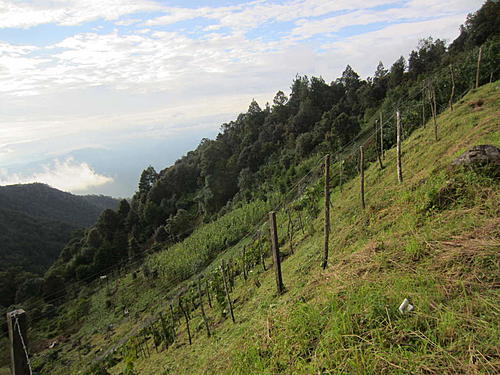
pixel 93 91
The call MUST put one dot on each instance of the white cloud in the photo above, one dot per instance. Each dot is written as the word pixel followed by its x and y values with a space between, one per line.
pixel 25 14
pixel 100 86
pixel 68 175
pixel 356 48
pixel 414 10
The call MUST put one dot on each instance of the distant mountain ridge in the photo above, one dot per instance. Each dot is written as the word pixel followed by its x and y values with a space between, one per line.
pixel 42 201
pixel 36 221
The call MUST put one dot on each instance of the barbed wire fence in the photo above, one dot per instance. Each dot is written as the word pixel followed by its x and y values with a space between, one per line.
pixel 368 136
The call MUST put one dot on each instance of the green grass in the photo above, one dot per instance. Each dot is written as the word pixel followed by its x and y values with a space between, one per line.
pixel 433 239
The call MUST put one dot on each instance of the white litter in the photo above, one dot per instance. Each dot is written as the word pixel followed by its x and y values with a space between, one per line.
pixel 405 306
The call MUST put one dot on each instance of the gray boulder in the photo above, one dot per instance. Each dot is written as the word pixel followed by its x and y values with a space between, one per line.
pixel 480 155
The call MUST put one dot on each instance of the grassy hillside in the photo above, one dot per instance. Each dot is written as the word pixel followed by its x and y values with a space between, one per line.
pixel 433 239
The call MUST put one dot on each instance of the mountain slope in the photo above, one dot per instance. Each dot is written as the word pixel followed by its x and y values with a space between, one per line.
pixel 36 221
pixel 42 201
pixel 30 243
pixel 432 239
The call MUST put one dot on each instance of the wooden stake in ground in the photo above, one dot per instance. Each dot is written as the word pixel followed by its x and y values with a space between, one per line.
pixel 172 317
pixel 205 319
pixel 398 146
pixel 478 66
pixel 207 290
pixel 245 263
pixel 452 87
pixel 376 147
pixel 186 316
pixel 381 136
pixel 290 230
pixel 226 288
pixel 18 342
pixel 327 211
pixel 276 252
pixel 432 100
pixel 424 92
pixel 261 249
pixel 362 175
pixel 341 167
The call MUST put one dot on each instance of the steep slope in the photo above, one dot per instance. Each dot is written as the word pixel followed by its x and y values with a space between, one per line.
pixel 433 239
pixel 30 243
pixel 36 221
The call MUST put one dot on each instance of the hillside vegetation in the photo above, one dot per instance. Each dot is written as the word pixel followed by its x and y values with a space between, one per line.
pixel 260 153
pixel 433 239
pixel 36 222
pixel 119 296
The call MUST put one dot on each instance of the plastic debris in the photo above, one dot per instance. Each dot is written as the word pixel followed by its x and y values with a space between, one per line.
pixel 405 306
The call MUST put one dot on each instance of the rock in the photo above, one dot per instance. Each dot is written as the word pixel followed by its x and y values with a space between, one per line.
pixel 479 155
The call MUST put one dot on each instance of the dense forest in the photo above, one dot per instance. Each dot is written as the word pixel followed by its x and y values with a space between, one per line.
pixel 36 221
pixel 258 152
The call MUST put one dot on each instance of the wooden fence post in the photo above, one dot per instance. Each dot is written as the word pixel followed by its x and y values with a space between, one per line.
pixel 478 66
pixel 452 87
pixel 381 137
pixel 327 211
pixel 186 316
pixel 398 146
pixel 341 171
pixel 18 341
pixel 362 175
pixel 276 252
pixel 424 92
pixel 290 229
pixel 205 320
pixel 245 262
pixel 379 151
pixel 434 112
pixel 172 317
pixel 207 290
pixel 261 249
pixel 226 288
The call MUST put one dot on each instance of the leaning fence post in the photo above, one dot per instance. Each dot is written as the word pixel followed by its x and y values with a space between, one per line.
pixel 327 211
pixel 186 316
pixel 18 341
pixel 276 252
pixel 398 146
pixel 205 319
pixel 478 66
pixel 226 288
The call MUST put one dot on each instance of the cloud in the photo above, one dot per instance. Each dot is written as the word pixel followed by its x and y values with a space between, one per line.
pixel 68 175
pixel 163 70
pixel 355 48
pixel 26 14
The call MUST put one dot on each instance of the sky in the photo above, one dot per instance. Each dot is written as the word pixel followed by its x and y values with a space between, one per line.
pixel 94 91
